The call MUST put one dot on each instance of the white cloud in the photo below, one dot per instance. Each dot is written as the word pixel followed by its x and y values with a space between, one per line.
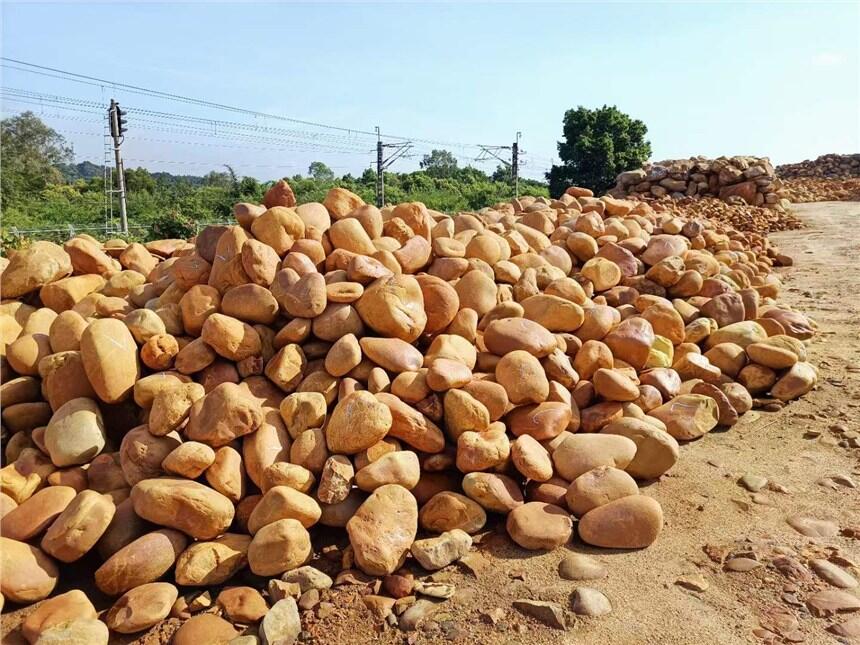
pixel 828 59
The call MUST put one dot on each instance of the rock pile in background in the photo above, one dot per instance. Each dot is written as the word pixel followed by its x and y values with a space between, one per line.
pixel 193 414
pixel 820 189
pixel 829 166
pixel 741 217
pixel 735 180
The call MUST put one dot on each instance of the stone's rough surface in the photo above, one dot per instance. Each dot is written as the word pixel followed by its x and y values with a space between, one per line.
pixel 688 416
pixel 438 552
pixel 281 625
pixel 549 613
pixel 212 563
pixel 383 529
pixel 358 422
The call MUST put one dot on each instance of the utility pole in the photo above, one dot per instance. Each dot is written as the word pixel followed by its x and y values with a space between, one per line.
pixel 382 163
pixel 117 130
pixel 380 180
pixel 515 165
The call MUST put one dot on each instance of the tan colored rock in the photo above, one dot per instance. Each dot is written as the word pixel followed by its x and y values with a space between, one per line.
pixel 688 416
pixel 632 522
pixel 143 560
pixel 399 467
pixel 531 458
pixel 32 268
pixel 493 491
pixel 536 525
pixel 357 422
pixel 77 529
pixel 205 564
pixel 392 354
pixel 109 355
pixel 411 426
pixel 182 504
pixel 283 502
pixel 204 628
pixel 141 608
pixel 656 450
pixel 447 511
pixel 483 450
pixel 799 380
pixel 394 307
pixel 579 453
pixel 509 334
pixel 28 574
pixel 226 474
pixel 383 529
pixel 225 413
pixel 76 433
pixel 597 487
pixel 70 606
pixel 230 337
pixel 343 356
pixel 542 421
pixel 523 377
pixel 37 513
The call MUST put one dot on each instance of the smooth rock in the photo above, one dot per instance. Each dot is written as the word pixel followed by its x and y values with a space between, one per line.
pixel 590 602
pixel 576 566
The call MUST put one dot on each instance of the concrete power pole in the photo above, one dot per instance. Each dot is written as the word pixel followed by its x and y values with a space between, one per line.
pixel 400 149
pixel 117 130
pixel 380 179
pixel 515 165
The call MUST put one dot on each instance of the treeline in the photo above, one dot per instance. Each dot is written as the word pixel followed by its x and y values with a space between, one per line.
pixel 43 188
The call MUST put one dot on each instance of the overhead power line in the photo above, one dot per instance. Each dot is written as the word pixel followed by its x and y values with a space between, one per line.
pixel 24 66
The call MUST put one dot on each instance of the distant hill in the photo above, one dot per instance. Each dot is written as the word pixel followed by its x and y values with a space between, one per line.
pixel 87 170
pixel 83 170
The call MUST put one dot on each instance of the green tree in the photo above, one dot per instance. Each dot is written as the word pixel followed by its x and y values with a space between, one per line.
pixel 31 153
pixel 439 163
pixel 502 173
pixel 598 144
pixel 319 171
pixel 139 179
pixel 220 179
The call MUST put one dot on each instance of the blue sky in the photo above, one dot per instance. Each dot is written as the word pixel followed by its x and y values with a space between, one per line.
pixel 773 79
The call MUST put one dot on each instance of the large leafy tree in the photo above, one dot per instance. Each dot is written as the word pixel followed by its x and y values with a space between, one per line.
pixel 598 144
pixel 31 153
pixel 440 164
pixel 319 171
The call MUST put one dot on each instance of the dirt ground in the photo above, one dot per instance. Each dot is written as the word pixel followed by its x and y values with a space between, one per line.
pixel 709 516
